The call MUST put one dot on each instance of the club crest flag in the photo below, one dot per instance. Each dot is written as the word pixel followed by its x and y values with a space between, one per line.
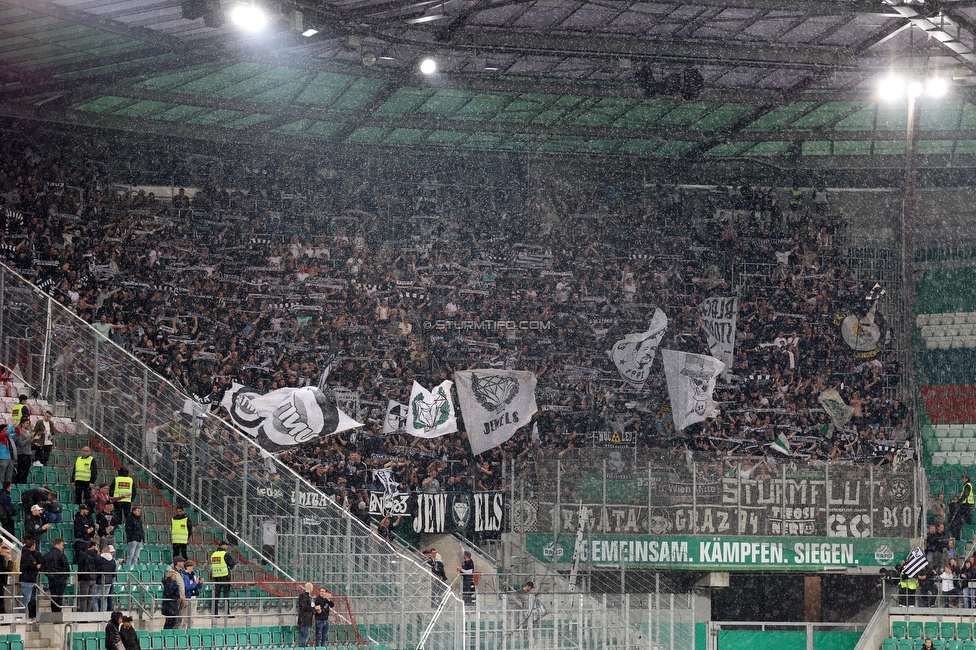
pixel 284 417
pixel 494 403
pixel 718 320
pixel 634 353
pixel 691 382
pixel 430 413
pixel 396 418
pixel 861 334
pixel 837 410
pixel 385 478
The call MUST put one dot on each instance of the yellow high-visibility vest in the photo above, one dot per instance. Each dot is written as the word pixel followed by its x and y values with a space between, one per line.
pixel 123 488
pixel 83 468
pixel 180 532
pixel 218 567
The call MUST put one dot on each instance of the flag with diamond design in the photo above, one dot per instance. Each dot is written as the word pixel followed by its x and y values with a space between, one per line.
pixel 494 403
pixel 430 413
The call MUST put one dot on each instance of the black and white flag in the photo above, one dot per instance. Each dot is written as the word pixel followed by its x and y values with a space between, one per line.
pixel 718 320
pixel 634 353
pixel 494 403
pixel 385 478
pixel 284 417
pixel 915 563
pixel 691 382
pixel 396 418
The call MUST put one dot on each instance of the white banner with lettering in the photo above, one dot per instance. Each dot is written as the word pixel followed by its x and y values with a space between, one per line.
pixel 494 403
pixel 718 320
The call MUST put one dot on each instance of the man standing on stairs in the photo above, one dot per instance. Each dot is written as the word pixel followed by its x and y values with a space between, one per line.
pixel 86 473
pixel 123 489
pixel 221 564
pixel 181 531
pixel 55 566
pixel 22 471
pixel 966 500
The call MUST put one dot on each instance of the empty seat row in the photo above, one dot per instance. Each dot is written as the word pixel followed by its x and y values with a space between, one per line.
pixel 949 318
pixel 932 629
pixel 965 459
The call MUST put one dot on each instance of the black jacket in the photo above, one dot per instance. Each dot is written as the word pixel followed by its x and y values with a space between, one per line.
pixel 84 527
pixel 306 613
pixel 106 571
pixel 34 527
pixel 133 529
pixel 326 605
pixel 55 566
pixel 129 638
pixel 89 565
pixel 112 636
pixel 30 564
pixel 103 522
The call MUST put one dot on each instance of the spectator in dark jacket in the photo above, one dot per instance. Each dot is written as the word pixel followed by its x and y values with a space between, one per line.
pixel 105 580
pixel 134 535
pixel 55 566
pixel 34 496
pixel 84 531
pixel 113 636
pixel 128 633
pixel 30 565
pixel 106 522
pixel 35 526
pixel 89 566
pixel 306 613
pixel 6 568
pixel 7 512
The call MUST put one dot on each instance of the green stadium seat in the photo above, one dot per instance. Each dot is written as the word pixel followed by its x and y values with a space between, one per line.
pixel 899 629
pixel 969 645
pixel 889 644
pixel 91 643
pixel 931 629
pixel 906 644
pixel 206 640
pixel 939 644
pixel 964 631
pixel 955 644
pixel 947 630
pixel 16 644
pixel 915 630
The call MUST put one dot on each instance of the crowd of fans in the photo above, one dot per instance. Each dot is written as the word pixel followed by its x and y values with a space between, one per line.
pixel 370 284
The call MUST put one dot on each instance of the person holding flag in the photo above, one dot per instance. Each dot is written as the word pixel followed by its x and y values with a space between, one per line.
pixel 909 571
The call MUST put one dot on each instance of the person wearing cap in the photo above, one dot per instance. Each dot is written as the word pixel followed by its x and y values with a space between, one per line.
pixel 467 576
pixel 106 523
pixel 84 530
pixel 89 567
pixel 966 500
pixel 43 440
pixel 181 532
pixel 55 566
pixel 123 490
pixel 35 526
pixel 85 474
pixel 221 564
pixel 105 581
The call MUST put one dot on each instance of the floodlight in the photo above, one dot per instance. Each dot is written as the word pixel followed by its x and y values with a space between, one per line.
pixel 428 66
pixel 249 17
pixel 915 88
pixel 891 87
pixel 936 87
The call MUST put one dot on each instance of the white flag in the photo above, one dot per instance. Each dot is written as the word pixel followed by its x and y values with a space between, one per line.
pixel 396 418
pixel 634 353
pixel 836 408
pixel 718 320
pixel 495 403
pixel 284 417
pixel 385 477
pixel 430 413
pixel 691 382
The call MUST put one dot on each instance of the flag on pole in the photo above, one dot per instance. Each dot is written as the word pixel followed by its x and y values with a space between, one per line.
pixel 634 353
pixel 396 418
pixel 915 563
pixel 781 444
pixel 431 413
pixel 495 403
pixel 284 417
pixel 691 382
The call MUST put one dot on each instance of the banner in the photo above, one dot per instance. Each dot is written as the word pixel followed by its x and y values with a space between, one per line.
pixel 494 403
pixel 634 353
pixel 691 382
pixel 431 413
pixel 396 418
pixel 284 417
pixel 467 513
pixel 718 320
pixel 719 553
pixel 837 410
pixel 385 478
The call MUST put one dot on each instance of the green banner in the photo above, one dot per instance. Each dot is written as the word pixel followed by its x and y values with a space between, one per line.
pixel 721 553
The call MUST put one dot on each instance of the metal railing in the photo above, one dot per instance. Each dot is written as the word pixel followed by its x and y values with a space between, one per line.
pixel 214 468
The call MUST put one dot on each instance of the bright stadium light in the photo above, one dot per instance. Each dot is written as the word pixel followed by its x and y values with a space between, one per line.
pixel 936 87
pixel 249 18
pixel 891 88
pixel 428 66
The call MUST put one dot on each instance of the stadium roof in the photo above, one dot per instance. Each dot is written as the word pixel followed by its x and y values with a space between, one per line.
pixel 793 85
